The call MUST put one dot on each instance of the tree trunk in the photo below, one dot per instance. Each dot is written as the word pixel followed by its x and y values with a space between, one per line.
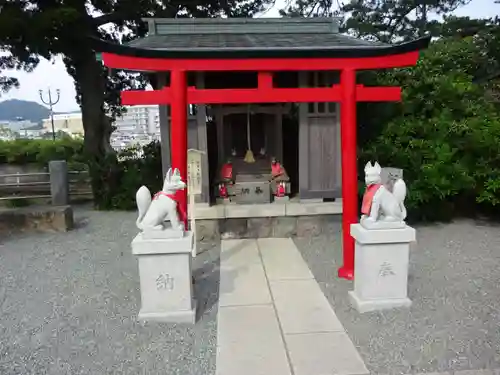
pixel 97 130
pixel 95 123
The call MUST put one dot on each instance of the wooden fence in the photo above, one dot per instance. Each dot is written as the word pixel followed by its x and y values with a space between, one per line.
pixel 28 183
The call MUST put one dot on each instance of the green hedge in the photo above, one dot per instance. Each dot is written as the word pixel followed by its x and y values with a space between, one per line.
pixel 445 134
pixel 41 151
pixel 119 175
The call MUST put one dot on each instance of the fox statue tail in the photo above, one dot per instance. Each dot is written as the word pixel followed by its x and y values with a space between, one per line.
pixel 143 200
pixel 399 192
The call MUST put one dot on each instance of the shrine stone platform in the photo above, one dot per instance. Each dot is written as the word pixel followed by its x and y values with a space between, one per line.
pixel 36 218
pixel 293 218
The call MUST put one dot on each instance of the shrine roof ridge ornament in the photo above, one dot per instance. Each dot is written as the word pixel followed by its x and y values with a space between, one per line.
pixel 339 48
pixel 241 25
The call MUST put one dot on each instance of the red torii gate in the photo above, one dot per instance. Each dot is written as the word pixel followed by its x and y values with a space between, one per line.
pixel 348 93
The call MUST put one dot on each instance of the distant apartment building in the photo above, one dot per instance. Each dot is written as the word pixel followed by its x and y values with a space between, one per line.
pixel 31 133
pixel 67 122
pixel 18 125
pixel 142 119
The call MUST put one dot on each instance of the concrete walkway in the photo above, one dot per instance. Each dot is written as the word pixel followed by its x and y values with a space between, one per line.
pixel 273 317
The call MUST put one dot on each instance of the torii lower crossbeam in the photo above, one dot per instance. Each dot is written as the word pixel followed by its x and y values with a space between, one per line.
pixel 261 95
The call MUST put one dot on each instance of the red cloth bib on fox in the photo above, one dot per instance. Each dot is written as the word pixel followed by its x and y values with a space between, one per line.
pixel 368 198
pixel 180 211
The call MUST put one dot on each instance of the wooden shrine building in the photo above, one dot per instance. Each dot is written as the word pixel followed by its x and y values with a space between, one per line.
pixel 259 89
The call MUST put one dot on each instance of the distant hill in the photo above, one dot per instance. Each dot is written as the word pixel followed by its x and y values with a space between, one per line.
pixel 12 110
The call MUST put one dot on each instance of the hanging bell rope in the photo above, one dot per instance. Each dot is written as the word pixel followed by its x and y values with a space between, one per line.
pixel 249 158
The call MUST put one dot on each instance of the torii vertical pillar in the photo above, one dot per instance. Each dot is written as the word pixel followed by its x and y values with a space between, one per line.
pixel 178 131
pixel 349 169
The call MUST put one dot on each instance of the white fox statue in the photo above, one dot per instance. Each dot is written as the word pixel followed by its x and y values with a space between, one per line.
pixel 382 209
pixel 154 210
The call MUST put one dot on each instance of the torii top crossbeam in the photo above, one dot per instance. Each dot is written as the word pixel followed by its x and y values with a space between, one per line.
pixel 264 46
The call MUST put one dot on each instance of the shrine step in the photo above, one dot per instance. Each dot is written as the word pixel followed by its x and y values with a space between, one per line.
pixel 265 227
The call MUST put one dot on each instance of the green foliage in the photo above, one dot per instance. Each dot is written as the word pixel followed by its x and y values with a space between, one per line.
pixel 18 202
pixel 116 179
pixel 445 134
pixel 386 21
pixel 123 174
pixel 40 152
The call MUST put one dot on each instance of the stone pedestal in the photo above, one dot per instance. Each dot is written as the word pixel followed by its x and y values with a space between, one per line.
pixel 381 268
pixel 284 199
pixel 59 182
pixel 251 189
pixel 165 277
pixel 223 200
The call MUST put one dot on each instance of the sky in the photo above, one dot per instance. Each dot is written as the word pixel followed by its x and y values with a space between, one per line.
pixel 53 75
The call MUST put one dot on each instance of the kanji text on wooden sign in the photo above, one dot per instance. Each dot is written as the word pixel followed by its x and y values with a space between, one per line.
pixel 194 171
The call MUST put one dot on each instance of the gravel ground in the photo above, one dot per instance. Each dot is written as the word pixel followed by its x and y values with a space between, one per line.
pixel 454 322
pixel 69 303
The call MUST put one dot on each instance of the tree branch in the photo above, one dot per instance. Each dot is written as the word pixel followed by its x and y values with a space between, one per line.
pixel 110 17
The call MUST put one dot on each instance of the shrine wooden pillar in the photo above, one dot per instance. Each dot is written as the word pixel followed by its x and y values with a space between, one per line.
pixel 349 168
pixel 178 129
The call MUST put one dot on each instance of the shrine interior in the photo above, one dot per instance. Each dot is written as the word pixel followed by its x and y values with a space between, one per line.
pixel 302 138
pixel 250 137
pixel 232 146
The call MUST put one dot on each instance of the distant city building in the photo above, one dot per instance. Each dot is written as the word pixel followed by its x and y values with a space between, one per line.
pixel 31 133
pixel 140 119
pixel 18 125
pixel 70 123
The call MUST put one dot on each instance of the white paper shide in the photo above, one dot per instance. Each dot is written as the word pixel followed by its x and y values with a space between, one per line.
pixel 163 248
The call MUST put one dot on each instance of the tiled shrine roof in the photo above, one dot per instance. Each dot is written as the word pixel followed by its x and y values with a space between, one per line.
pixel 252 38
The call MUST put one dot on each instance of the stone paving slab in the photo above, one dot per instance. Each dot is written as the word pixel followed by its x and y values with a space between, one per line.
pixel 243 285
pixel 239 252
pixel 282 260
pixel 303 308
pixel 249 342
pixel 296 332
pixel 329 353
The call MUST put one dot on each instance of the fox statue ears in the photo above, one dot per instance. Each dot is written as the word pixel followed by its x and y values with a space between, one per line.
pixel 175 173
pixel 373 168
pixel 168 176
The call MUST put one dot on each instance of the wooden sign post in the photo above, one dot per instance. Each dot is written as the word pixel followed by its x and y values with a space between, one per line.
pixel 194 187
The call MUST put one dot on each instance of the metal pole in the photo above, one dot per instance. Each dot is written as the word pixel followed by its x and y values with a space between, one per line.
pixel 51 104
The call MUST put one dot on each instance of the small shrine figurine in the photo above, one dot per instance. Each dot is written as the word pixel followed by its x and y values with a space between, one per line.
pixel 153 211
pixel 226 173
pixel 281 189
pixel 223 190
pixel 279 178
pixel 233 152
pixel 226 177
pixel 277 169
pixel 381 208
